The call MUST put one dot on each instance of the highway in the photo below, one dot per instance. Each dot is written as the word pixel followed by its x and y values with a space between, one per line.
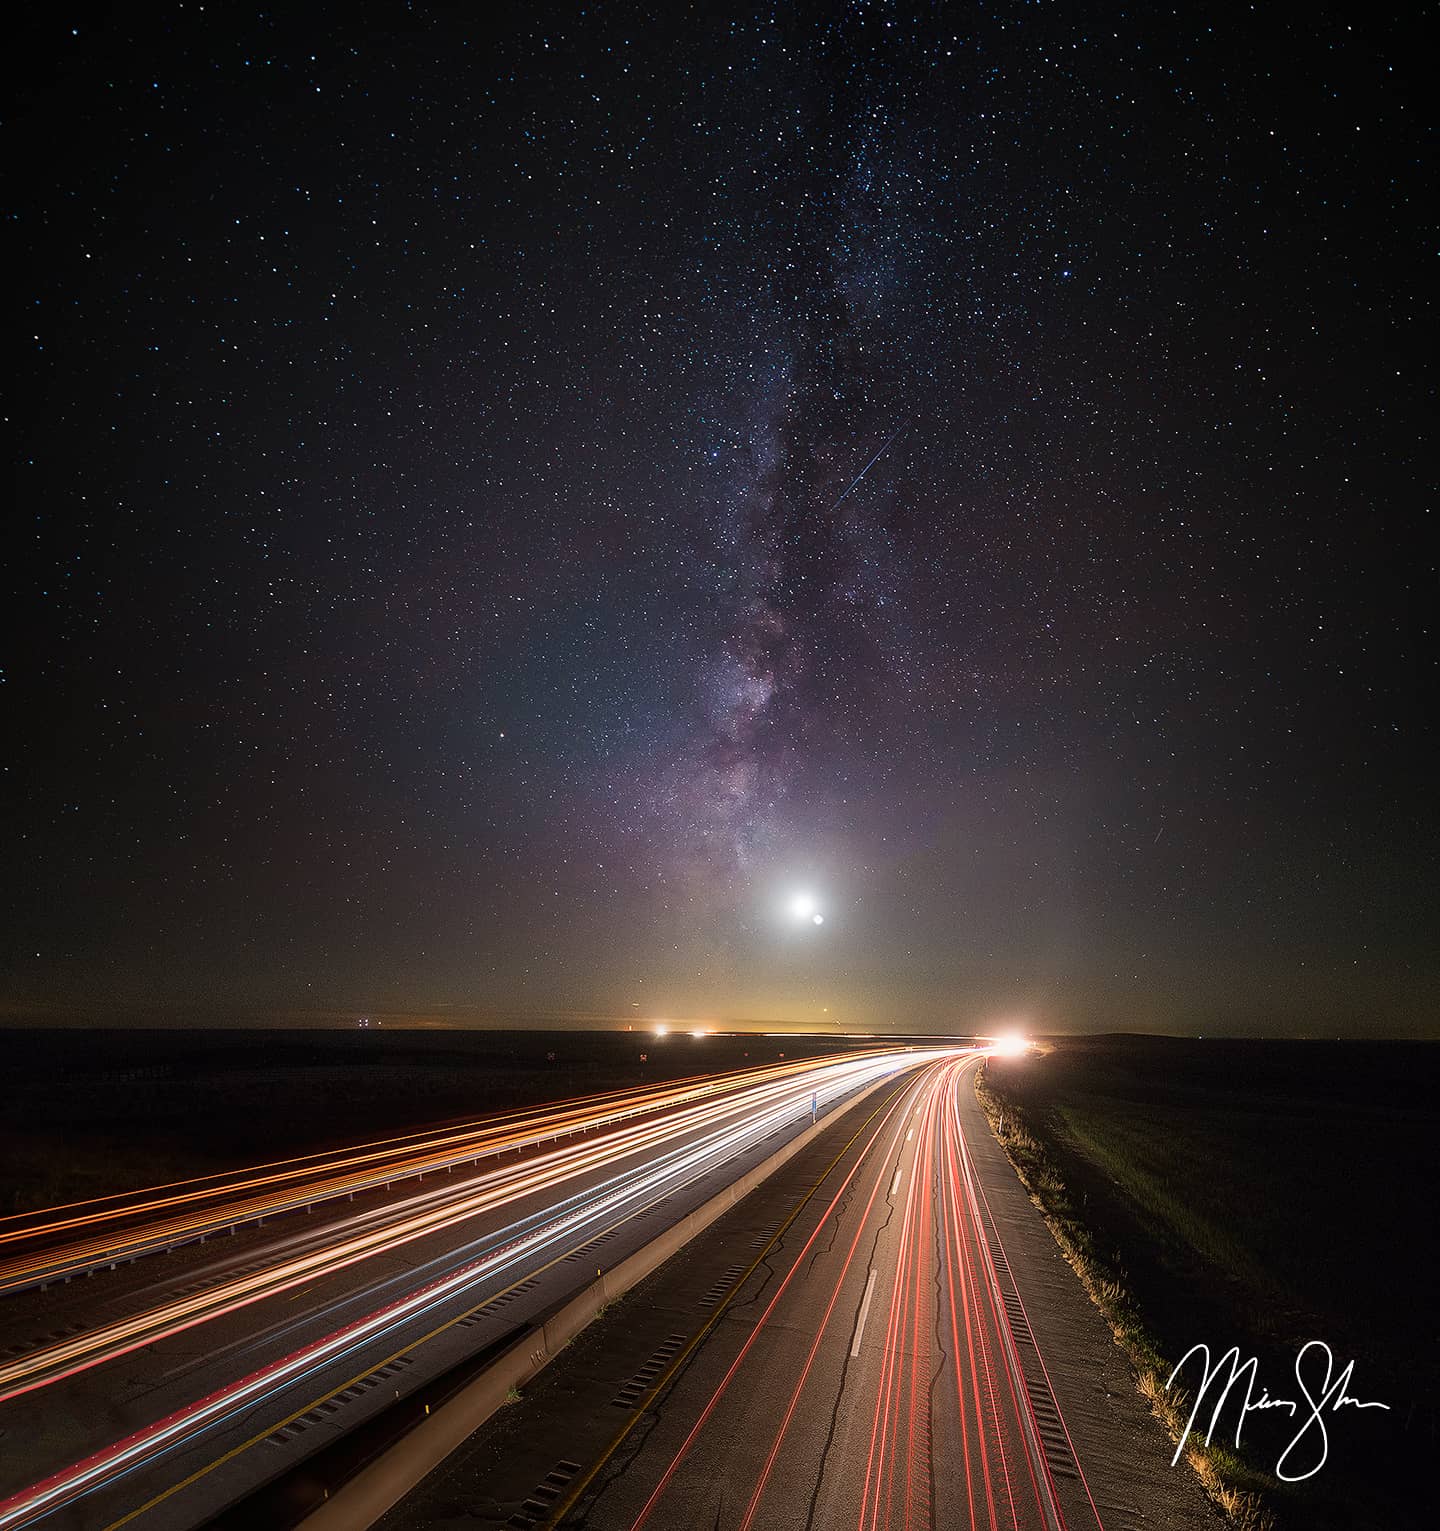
pixel 162 1354
pixel 879 1383
pixel 883 1336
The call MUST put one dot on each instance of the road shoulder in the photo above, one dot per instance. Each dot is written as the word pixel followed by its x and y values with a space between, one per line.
pixel 1122 1448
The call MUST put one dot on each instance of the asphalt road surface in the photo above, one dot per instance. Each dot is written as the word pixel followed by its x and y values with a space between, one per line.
pixel 881 1336
pixel 158 1392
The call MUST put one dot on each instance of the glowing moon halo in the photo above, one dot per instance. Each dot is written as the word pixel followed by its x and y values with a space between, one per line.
pixel 804 908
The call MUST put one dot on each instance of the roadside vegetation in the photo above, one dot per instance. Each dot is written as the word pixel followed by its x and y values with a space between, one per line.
pixel 1234 1193
pixel 1234 1488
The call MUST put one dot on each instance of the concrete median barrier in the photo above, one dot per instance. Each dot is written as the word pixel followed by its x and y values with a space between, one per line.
pixel 361 1500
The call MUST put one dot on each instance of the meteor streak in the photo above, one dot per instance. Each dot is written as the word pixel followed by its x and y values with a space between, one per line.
pixel 861 474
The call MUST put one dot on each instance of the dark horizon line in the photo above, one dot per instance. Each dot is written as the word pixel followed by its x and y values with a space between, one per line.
pixel 679 1030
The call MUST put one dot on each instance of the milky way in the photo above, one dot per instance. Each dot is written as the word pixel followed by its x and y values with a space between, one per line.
pixel 807 565
pixel 505 497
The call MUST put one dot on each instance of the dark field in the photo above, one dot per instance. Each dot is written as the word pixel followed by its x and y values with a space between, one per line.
pixel 1265 1194
pixel 91 1112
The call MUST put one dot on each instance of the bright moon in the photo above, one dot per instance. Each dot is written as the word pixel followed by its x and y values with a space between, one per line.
pixel 802 906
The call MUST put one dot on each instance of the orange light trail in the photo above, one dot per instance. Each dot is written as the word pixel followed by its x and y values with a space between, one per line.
pixel 622 1155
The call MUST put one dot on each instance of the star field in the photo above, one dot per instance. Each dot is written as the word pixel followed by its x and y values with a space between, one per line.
pixel 503 500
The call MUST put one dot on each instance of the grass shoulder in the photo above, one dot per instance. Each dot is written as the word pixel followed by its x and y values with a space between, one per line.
pixel 1237 1488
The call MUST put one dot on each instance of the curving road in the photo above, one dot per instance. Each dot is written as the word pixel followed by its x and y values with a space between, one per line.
pixel 884 1335
pixel 879 1382
pixel 156 1392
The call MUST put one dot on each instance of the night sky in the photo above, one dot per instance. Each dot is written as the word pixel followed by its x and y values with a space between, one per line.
pixel 507 499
